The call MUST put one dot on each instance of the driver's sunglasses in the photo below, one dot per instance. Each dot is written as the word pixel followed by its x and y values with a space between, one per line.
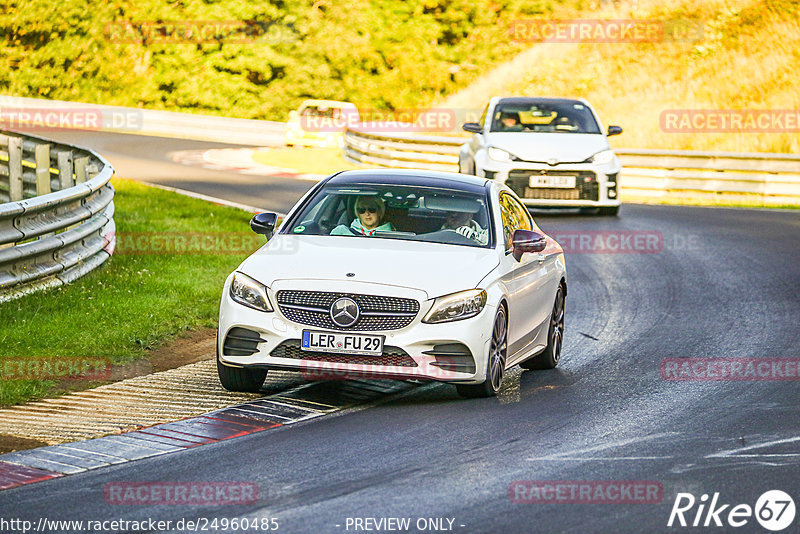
pixel 371 209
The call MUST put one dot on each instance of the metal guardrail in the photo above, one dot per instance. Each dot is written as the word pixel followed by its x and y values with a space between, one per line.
pixel 773 179
pixel 56 215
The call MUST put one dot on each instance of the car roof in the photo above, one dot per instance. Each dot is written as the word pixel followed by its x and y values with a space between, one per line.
pixel 538 100
pixel 412 177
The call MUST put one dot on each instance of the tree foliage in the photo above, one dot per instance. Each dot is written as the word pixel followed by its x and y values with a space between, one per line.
pixel 389 54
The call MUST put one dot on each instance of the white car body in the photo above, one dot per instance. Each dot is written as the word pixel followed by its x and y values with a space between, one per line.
pixel 320 123
pixel 525 284
pixel 541 155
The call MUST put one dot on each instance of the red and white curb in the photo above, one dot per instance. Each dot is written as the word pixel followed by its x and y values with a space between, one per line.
pixel 238 160
pixel 301 403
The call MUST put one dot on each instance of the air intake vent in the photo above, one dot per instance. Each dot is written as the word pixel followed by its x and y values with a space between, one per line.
pixel 241 342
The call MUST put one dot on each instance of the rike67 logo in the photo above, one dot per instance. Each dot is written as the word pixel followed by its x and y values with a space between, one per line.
pixel 774 510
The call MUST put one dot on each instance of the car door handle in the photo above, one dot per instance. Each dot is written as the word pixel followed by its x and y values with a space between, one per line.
pixel 540 258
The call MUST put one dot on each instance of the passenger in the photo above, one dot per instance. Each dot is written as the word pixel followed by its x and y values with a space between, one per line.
pixel 565 124
pixel 462 223
pixel 369 218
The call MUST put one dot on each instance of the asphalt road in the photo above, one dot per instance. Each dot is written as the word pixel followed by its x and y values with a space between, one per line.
pixel 149 159
pixel 719 283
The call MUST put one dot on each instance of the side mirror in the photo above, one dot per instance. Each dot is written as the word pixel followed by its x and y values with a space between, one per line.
pixel 472 127
pixel 264 223
pixel 614 130
pixel 527 241
pixel 293 114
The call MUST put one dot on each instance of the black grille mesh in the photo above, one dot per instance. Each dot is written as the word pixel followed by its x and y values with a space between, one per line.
pixel 392 356
pixel 519 179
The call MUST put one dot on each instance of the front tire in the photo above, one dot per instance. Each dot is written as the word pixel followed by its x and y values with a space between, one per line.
pixel 610 212
pixel 240 379
pixel 495 363
pixel 548 359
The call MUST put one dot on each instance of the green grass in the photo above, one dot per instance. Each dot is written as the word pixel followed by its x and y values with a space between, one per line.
pixel 132 303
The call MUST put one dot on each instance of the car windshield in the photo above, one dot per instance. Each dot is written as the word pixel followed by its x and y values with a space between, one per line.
pixel 325 112
pixel 430 214
pixel 544 117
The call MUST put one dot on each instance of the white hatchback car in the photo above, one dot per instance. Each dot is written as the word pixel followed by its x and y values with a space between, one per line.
pixel 396 274
pixel 552 152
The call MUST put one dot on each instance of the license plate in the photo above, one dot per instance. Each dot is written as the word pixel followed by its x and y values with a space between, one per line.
pixel 342 343
pixel 561 180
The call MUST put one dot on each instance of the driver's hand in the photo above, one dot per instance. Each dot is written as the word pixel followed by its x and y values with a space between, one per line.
pixel 481 237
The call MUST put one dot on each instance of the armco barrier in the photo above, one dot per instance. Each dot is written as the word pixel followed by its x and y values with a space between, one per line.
pixel 56 215
pixel 772 179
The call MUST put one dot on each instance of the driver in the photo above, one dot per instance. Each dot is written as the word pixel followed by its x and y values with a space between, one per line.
pixel 369 213
pixel 510 121
pixel 462 223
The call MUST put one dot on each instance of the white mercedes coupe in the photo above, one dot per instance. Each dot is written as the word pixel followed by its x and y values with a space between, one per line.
pixel 396 274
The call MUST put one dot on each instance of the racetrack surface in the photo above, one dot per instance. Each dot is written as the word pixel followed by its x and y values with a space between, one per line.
pixel 719 283
pixel 149 159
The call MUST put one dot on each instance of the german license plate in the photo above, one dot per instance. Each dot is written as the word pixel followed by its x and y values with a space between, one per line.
pixel 342 343
pixel 560 180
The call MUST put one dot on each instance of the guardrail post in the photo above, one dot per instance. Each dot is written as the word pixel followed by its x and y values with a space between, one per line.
pixel 42 157
pixel 14 169
pixel 80 169
pixel 65 169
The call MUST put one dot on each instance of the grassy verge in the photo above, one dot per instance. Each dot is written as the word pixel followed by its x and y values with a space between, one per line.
pixel 721 201
pixel 321 161
pixel 746 58
pixel 140 298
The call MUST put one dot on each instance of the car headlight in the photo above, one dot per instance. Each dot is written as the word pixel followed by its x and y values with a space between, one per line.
pixel 498 154
pixel 603 157
pixel 456 306
pixel 248 292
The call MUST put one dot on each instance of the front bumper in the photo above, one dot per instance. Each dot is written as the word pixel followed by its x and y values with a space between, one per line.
pixel 596 185
pixel 418 351
pixel 314 139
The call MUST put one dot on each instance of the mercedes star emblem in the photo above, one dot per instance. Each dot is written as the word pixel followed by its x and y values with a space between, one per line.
pixel 344 312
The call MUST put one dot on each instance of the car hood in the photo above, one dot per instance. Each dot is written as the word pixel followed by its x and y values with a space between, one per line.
pixel 541 147
pixel 436 269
